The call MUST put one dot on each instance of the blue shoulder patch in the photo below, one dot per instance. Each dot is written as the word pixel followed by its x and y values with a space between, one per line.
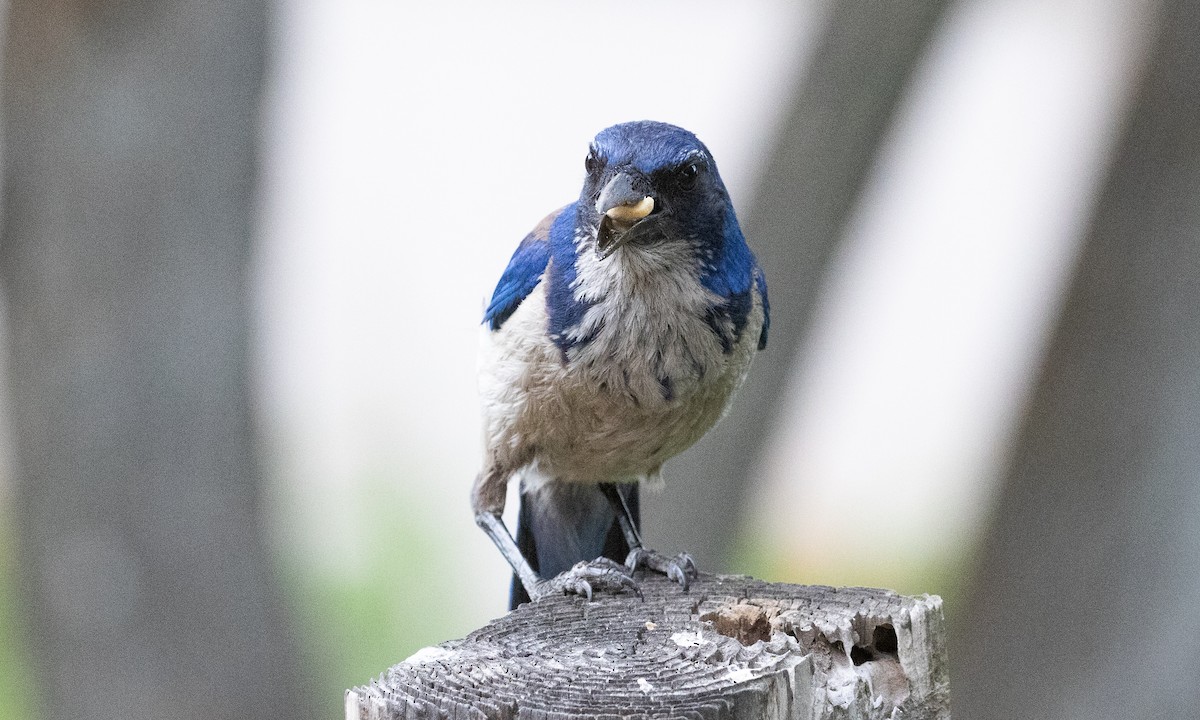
pixel 730 272
pixel 523 273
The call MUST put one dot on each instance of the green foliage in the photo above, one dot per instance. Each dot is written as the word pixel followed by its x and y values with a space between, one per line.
pixel 359 622
pixel 18 691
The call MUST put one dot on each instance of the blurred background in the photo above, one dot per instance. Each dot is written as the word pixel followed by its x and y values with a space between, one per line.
pixel 246 247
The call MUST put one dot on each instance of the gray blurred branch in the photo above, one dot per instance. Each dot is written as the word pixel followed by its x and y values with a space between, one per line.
pixel 849 91
pixel 128 210
pixel 1084 600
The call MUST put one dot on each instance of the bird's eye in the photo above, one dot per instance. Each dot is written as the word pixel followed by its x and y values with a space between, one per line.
pixel 688 174
pixel 591 162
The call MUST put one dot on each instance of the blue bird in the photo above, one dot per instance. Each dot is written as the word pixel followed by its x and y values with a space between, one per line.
pixel 614 340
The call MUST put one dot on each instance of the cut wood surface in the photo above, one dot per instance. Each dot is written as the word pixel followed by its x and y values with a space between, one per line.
pixel 731 647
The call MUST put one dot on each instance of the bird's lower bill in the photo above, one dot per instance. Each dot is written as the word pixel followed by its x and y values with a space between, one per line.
pixel 611 236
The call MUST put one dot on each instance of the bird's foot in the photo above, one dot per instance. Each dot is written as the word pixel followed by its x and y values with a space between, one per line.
pixel 586 578
pixel 681 568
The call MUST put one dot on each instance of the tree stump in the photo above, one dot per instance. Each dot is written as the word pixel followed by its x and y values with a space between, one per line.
pixel 731 647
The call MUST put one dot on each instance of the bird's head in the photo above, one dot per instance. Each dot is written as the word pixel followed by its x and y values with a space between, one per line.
pixel 650 182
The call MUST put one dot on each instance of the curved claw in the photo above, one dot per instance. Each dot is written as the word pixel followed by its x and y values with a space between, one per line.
pixel 636 558
pixel 681 569
pixel 675 572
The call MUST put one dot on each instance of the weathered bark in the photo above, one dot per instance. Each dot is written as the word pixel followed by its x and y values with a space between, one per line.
pixel 732 647
pixel 849 90
pixel 128 211
pixel 1083 603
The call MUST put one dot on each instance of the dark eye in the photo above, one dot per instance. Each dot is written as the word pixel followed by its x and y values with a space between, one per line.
pixel 688 174
pixel 591 162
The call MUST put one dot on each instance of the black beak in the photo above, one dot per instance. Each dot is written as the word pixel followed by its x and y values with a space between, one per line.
pixel 624 202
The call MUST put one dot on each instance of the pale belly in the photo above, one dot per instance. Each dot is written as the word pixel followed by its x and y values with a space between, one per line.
pixel 605 417
pixel 580 434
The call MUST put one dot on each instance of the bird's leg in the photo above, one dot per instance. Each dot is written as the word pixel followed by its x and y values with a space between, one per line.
pixel 680 568
pixel 493 525
pixel 487 498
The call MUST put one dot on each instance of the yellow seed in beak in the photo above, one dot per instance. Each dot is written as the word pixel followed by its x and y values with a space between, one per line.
pixel 631 213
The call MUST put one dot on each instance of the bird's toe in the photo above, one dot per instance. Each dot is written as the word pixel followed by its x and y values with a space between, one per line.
pixel 680 569
pixel 585 578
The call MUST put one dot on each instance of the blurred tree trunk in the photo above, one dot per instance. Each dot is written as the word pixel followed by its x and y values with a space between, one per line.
pixel 848 91
pixel 1083 602
pixel 129 172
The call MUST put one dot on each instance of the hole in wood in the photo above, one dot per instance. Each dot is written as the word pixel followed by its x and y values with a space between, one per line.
pixel 742 621
pixel 883 645
pixel 884 639
pixel 860 655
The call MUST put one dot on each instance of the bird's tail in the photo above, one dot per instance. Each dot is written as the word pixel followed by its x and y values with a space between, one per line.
pixel 563 523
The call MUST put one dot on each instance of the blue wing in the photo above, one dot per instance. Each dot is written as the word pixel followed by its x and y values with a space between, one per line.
pixel 523 273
